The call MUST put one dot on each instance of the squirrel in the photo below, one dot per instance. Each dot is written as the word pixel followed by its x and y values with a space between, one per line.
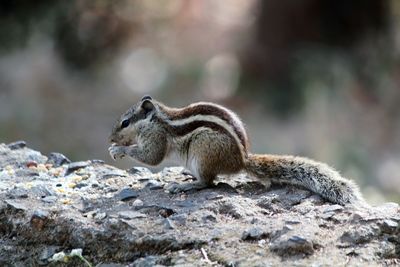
pixel 209 139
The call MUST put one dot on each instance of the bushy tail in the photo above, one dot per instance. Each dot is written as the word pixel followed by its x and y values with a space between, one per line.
pixel 315 176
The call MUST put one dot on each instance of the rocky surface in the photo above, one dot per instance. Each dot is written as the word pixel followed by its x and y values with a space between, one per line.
pixel 51 207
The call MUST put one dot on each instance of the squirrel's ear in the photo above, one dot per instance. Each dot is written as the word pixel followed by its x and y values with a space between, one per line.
pixel 147 105
pixel 146 97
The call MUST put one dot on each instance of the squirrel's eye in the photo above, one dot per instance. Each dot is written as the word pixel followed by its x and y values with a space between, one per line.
pixel 124 124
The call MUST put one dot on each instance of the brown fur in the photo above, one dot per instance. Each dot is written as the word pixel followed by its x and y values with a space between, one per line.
pixel 209 148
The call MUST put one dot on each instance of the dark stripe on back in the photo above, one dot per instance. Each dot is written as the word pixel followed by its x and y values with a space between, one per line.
pixel 204 109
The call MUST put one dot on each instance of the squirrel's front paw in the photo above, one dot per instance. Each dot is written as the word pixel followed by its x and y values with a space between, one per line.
pixel 117 151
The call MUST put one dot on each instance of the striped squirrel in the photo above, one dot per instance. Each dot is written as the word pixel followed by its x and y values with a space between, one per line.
pixel 208 140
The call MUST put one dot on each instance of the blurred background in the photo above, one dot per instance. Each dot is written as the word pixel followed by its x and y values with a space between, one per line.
pixel 309 77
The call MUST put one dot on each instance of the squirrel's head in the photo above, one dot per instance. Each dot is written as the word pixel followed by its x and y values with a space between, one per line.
pixel 124 131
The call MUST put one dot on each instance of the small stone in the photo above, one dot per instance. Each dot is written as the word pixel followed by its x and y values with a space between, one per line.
pixel 48 252
pixel 41 214
pixel 49 199
pixel 17 145
pixel 185 204
pixel 76 166
pixel 389 226
pixel 254 233
pixel 57 159
pixel 137 170
pixel 293 222
pixel 129 214
pixel 97 161
pixel 214 196
pixel 80 185
pixel 16 205
pixel 333 208
pixel 31 164
pixel 209 218
pixel 359 234
pixel 100 216
pixel 327 215
pixel 147 261
pixel 154 185
pixel 292 245
pixel 114 173
pixel 137 203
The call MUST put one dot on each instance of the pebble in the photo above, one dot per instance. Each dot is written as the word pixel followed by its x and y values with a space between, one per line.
pixel 114 173
pixel 76 166
pixel 389 226
pixel 137 203
pixel 100 216
pixel 333 208
pixel 254 233
pixel 292 245
pixel 137 170
pixel 129 214
pixel 41 214
pixel 16 205
pixel 359 234
pixel 126 194
pixel 17 145
pixel 97 161
pixel 209 218
pixel 49 199
pixel 154 185
pixel 57 159
pixel 48 252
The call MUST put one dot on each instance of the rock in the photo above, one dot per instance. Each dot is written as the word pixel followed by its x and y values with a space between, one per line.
pixel 333 208
pixel 154 185
pixel 126 194
pixel 209 218
pixel 137 203
pixel 139 170
pixel 114 173
pixel 49 199
pixel 129 214
pixel 48 252
pixel 359 234
pixel 44 211
pixel 42 191
pixel 148 261
pixel 292 245
pixel 16 205
pixel 57 159
pixel 17 145
pixel 100 216
pixel 76 166
pixel 97 161
pixel 254 233
pixel 389 226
